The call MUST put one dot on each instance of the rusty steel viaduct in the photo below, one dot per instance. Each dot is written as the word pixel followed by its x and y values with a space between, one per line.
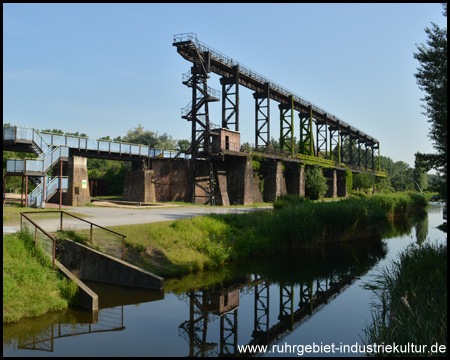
pixel 216 169
pixel 336 142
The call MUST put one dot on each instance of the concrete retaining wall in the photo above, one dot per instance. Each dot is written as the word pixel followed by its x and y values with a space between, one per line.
pixel 86 297
pixel 94 265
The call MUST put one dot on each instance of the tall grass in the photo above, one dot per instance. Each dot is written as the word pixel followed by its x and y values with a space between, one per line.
pixel 412 295
pixel 207 241
pixel 30 286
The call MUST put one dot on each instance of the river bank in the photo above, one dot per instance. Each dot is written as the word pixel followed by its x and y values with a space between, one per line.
pixel 255 293
pixel 185 245
pixel 182 246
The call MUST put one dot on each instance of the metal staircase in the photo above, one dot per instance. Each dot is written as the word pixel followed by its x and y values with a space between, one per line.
pixel 197 113
pixel 37 168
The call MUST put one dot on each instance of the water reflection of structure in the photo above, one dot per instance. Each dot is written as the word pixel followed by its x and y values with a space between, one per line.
pixel 102 321
pixel 78 322
pixel 224 303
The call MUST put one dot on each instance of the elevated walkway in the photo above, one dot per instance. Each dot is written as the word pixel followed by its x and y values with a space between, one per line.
pixel 52 149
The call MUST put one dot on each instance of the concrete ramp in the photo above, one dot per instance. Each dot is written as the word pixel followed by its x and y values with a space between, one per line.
pixel 90 264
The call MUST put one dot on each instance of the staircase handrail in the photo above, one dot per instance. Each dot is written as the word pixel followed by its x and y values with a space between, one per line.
pixel 20 132
pixel 50 189
pixel 43 165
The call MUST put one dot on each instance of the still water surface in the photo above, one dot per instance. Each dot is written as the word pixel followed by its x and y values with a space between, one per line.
pixel 314 298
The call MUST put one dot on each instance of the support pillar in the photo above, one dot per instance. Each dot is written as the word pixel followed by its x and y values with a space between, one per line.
pixel 295 179
pixel 78 189
pixel 331 175
pixel 221 175
pixel 273 180
pixel 341 184
pixel 239 180
pixel 139 186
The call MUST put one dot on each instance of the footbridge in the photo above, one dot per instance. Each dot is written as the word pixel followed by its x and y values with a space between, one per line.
pixel 54 149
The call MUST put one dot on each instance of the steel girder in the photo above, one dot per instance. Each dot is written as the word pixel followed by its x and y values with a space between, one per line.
pixel 262 117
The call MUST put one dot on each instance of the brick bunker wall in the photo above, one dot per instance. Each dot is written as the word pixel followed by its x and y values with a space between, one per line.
pixel 171 177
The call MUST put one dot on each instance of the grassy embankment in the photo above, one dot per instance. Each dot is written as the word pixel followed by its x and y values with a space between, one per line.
pixel 413 300
pixel 30 286
pixel 175 247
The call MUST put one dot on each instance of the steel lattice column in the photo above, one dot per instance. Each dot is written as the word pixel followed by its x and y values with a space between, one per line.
pixel 228 333
pixel 306 133
pixel 287 125
pixel 345 146
pixel 365 156
pixel 306 297
pixel 230 100
pixel 322 138
pixel 359 151
pixel 262 117
pixel 351 143
pixel 261 324
pixel 287 304
pixel 335 144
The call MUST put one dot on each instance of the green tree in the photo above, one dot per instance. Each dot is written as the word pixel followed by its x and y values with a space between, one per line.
pixel 165 142
pixel 384 185
pixel 431 77
pixel 364 181
pixel 140 136
pixel 420 176
pixel 183 145
pixel 315 182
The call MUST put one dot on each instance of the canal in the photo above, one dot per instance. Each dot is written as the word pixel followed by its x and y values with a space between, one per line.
pixel 314 298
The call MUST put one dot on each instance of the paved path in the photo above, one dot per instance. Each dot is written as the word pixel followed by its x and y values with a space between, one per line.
pixel 110 216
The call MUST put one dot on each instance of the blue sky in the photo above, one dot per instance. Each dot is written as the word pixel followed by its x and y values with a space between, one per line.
pixel 104 69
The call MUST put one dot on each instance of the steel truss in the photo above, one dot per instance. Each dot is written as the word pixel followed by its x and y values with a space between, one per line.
pixel 262 117
pixel 230 100
pixel 306 133
pixel 335 144
pixel 287 304
pixel 261 324
pixel 322 138
pixel 287 125
pixel 228 334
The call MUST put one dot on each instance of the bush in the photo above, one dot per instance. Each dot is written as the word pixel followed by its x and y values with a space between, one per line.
pixel 315 182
